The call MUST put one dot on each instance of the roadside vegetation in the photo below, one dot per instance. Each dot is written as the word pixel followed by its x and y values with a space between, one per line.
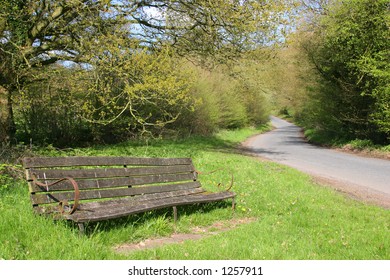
pixel 76 73
pixel 291 216
pixel 333 78
pixel 363 147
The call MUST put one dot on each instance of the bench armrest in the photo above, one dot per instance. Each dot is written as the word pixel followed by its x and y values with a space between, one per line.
pixel 63 204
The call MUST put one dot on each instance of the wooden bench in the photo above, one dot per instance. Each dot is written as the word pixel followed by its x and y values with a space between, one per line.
pixel 86 189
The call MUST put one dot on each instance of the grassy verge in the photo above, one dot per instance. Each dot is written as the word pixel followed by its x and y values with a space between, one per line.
pixel 294 218
pixel 360 146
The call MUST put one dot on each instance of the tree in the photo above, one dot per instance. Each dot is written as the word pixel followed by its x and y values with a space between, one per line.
pixel 142 88
pixel 350 50
pixel 38 34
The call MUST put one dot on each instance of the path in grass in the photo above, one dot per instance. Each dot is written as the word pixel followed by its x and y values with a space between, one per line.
pixel 195 233
pixel 366 178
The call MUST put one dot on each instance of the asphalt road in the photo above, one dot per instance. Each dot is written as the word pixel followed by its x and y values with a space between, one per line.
pixel 286 145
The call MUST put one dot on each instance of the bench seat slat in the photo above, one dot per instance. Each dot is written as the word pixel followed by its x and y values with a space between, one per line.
pixel 127 201
pixel 103 213
pixel 94 205
pixel 55 174
pixel 116 182
pixel 37 162
pixel 47 198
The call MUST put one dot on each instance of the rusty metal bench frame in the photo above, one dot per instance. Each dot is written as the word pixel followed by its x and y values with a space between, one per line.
pixel 88 189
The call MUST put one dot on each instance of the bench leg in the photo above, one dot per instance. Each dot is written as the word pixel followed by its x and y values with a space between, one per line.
pixel 81 228
pixel 175 214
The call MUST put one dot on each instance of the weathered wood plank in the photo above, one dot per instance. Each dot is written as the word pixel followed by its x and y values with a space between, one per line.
pixel 138 199
pixel 46 198
pixel 38 162
pixel 95 205
pixel 54 174
pixel 115 212
pixel 116 182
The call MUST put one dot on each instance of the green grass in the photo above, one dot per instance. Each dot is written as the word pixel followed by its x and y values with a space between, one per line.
pixel 363 145
pixel 294 217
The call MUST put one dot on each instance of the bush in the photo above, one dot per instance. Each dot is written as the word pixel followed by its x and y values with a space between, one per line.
pixel 359 144
pixel 223 101
pixel 349 48
pixel 146 94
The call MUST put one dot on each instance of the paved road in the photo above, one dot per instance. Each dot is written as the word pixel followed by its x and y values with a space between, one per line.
pixel 286 145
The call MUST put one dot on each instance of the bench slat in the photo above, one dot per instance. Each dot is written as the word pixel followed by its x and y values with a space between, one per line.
pixel 124 210
pixel 47 198
pixel 116 182
pixel 55 174
pixel 95 205
pixel 101 161
pixel 92 206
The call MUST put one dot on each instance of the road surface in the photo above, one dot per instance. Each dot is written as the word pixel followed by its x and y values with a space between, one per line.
pixel 286 145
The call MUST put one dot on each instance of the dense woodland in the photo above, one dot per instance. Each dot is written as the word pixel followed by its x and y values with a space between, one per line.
pixel 82 72
pixel 339 68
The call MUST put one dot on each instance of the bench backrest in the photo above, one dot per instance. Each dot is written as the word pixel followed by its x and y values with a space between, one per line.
pixel 106 177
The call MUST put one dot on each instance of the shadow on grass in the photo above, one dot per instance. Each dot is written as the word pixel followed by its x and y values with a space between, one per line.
pixel 138 220
pixel 181 147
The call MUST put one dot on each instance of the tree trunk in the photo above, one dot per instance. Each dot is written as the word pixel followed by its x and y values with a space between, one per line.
pixel 7 122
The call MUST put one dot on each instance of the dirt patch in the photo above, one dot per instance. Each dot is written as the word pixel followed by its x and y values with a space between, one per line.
pixel 196 234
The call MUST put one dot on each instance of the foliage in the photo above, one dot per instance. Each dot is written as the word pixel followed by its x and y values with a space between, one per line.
pixel 361 144
pixel 226 97
pixel 253 85
pixel 5 179
pixel 103 36
pixel 122 94
pixel 49 110
pixel 291 78
pixel 350 51
pixel 139 90
pixel 8 174
pixel 228 100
